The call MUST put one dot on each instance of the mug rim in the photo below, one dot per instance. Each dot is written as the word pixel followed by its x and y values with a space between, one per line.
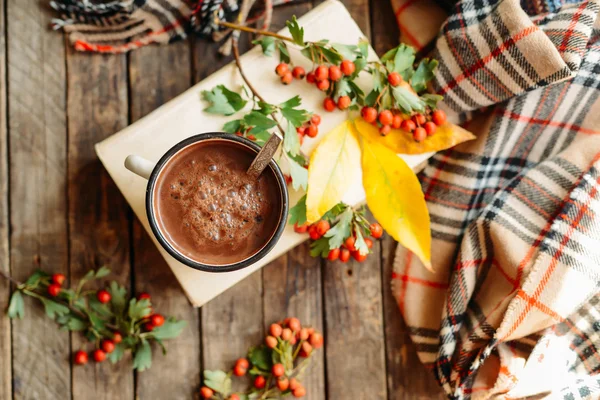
pixel 178 255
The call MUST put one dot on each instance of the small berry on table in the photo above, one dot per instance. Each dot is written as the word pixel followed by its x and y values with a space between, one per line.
pixel 206 392
pixel 103 296
pixel 80 358
pixel 347 67
pixel 99 355
pixel 59 279
pixel 438 117
pixel 275 330
pixel 386 117
pixel 157 320
pixel 278 370
pixel 369 114
pixel 329 104
pixel 259 382
pixel 108 345
pixel 335 73
pixel 298 72
pixel 376 230
pixel 54 289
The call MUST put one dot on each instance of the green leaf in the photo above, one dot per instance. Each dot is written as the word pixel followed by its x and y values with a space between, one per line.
pixel 371 98
pixel 335 211
pixel 332 56
pixel 169 330
pixel 102 272
pixel 348 52
pixel 295 116
pixel 342 88
pixel 75 324
pixel 266 108
pixel 360 64
pixel 389 55
pixel 117 353
pixel 431 100
pixel 260 357
pixel 142 359
pixel 363 47
pixel 99 308
pixel 16 308
pixel 299 174
pixel 296 31
pixel 407 100
pixel 53 308
pixel 423 74
pixel 404 58
pixel 291 143
pixel 223 101
pixel 67 294
pixel 360 243
pixel 259 121
pixel 117 297
pixel 96 321
pixel 139 309
pixel 341 230
pixel 284 54
pixel 268 45
pixel 261 137
pixel 298 212
pixel 291 103
pixel 320 247
pixel 232 126
pixel 35 279
pixel 218 381
pixel 379 80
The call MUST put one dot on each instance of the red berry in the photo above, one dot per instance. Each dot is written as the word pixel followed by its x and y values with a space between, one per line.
pixel 438 117
pixel 99 355
pixel 323 85
pixel 206 392
pixel 242 362
pixel 312 131
pixel 419 119
pixel 349 243
pixel 103 296
pixel 344 255
pixel 117 337
pixel 430 128
pixel 59 279
pixel 278 370
pixel 333 255
pixel 286 334
pixel 108 345
pixel 299 392
pixel 347 67
pixel 283 384
pixel 408 125
pixel 293 340
pixel 294 384
pixel 386 117
pixel 275 330
pixel 344 102
pixel 54 289
pixel 315 119
pixel 310 77
pixel 384 130
pixel 369 114
pixel 394 79
pixel 143 296
pixel 287 78
pixel 307 348
pixel 359 257
pixel 259 382
pixel 312 232
pixel 316 340
pixel 376 230
pixel 303 334
pixel 157 320
pixel 396 121
pixel 234 397
pixel 148 326
pixel 329 104
pixel 80 358
pixel 335 73
pixel 419 134
pixel 301 130
pixel 271 342
pixel 300 228
pixel 238 370
pixel 322 227
pixel 282 69
pixel 298 72
pixel 294 324
pixel 369 243
pixel 321 73
pixel 301 140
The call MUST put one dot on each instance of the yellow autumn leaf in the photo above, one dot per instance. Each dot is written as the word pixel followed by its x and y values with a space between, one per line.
pixel 402 142
pixel 334 166
pixel 395 198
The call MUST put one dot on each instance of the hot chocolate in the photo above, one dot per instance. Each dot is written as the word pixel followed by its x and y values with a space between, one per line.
pixel 209 209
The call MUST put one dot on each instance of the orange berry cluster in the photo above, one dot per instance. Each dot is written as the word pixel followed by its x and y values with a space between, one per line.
pixel 420 125
pixel 310 128
pixel 286 75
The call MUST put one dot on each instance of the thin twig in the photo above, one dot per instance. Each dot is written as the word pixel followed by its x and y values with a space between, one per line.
pixel 252 30
pixel 10 278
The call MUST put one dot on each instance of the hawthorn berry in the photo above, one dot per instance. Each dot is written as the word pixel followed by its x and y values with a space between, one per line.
pixel 293 340
pixel 307 348
pixel 252 137
pixel 333 255
pixel 359 257
pixel 369 114
pixel 419 134
pixel 323 85
pixel 349 243
pixel 108 345
pixel 438 117
pixel 143 296
pixel 80 358
pixel 301 130
pixel 54 289
pixel 299 392
pixel 310 77
pixel 242 362
pixel 294 324
pixel 282 69
pixel 286 334
pixel 300 228
pixel 316 340
pixel 315 119
pixel 322 73
pixel 294 384
pixel 386 117
pixel 384 130
pixel 396 121
pixel 103 296
pixel 238 370
pixel 376 230
pixel 259 382
pixel 430 128
pixel 283 384
pixel 271 342
pixel 419 119
pixel 310 330
pixel 117 337
pixel 394 79
pixel 344 255
pixel 206 392
pixel 344 102
pixel 301 140
pixel 322 227
pixel 59 279
pixel 99 355
pixel 312 131
pixel 278 370
pixel 298 72
pixel 275 330
pixel 369 243
pixel 157 320
pixel 287 78
pixel 335 73
pixel 329 104
pixel 408 125
pixel 303 334
pixel 234 397
pixel 312 232
pixel 347 67
pixel 148 326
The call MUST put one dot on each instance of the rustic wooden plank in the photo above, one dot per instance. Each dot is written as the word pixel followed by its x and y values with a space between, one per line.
pixel 157 74
pixel 37 129
pixel 98 219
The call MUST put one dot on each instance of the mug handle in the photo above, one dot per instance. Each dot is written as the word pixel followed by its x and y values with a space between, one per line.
pixel 139 166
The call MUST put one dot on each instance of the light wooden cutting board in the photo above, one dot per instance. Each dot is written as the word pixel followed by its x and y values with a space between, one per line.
pixel 153 135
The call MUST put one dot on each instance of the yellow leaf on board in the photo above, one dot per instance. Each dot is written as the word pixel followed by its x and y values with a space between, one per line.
pixel 334 166
pixel 402 142
pixel 395 198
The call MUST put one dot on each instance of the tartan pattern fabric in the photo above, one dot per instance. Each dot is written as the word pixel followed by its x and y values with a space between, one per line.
pixel 513 307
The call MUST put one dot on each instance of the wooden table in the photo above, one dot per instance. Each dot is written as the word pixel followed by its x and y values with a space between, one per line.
pixel 60 211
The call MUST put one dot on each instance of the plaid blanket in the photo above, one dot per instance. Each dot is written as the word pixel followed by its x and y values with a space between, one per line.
pixel 513 307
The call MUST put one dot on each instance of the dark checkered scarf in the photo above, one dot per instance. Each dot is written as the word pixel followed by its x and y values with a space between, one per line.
pixel 513 307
